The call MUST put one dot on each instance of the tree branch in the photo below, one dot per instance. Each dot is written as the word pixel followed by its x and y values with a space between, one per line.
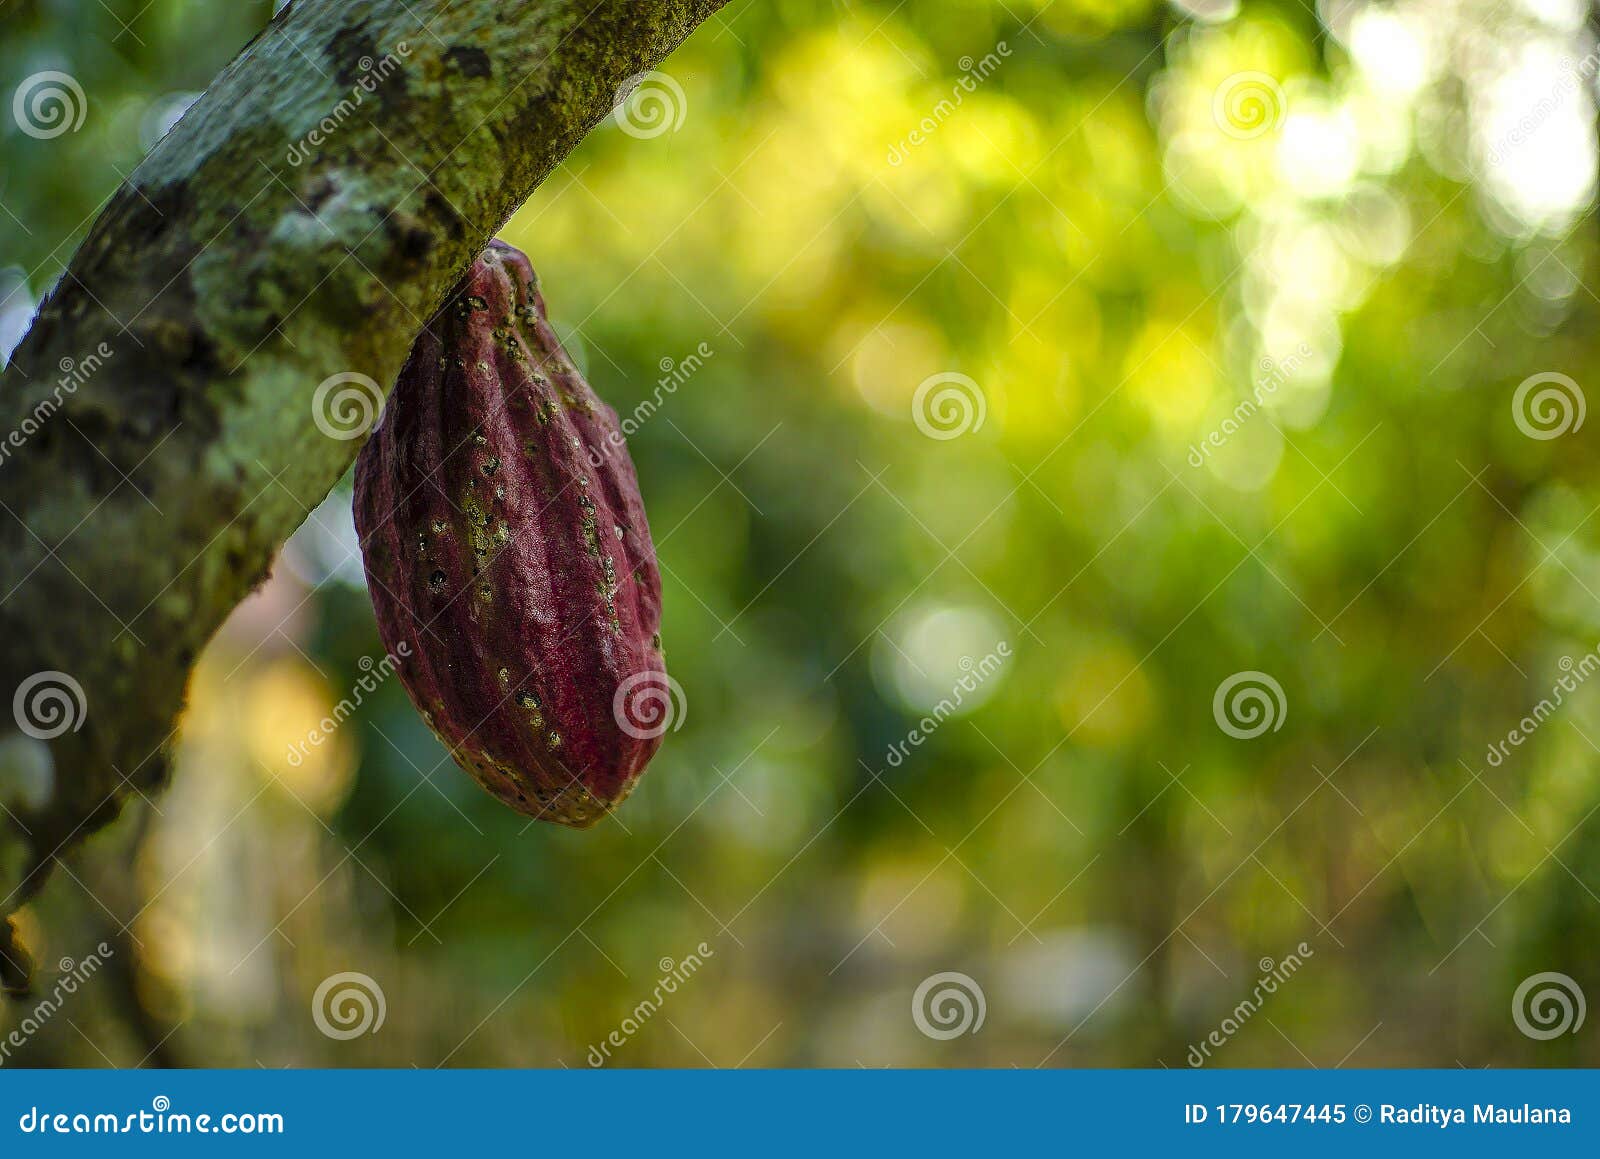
pixel 163 438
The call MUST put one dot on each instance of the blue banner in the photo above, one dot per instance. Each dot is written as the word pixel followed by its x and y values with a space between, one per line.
pixel 710 1113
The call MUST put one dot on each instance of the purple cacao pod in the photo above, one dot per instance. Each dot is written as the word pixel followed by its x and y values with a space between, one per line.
pixel 506 545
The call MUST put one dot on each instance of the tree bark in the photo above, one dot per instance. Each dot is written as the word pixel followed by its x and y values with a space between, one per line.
pixel 302 221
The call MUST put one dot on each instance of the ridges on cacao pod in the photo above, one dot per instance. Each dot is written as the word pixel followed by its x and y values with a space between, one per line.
pixel 505 541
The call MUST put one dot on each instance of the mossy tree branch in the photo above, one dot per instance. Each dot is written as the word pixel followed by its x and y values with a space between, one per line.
pixel 222 284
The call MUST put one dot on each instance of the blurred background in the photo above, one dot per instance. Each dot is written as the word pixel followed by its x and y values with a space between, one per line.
pixel 1127 526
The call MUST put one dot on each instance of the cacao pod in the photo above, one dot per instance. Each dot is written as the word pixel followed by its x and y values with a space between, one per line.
pixel 505 542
